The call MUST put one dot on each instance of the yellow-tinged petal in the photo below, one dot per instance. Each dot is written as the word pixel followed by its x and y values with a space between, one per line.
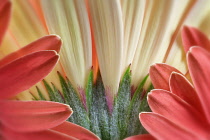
pixel 107 21
pixel 24 96
pixel 8 45
pixel 202 21
pixel 24 28
pixel 160 25
pixel 69 19
pixel 25 24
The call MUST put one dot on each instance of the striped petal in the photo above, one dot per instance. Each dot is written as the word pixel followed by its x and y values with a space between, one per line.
pixel 176 110
pixel 162 128
pixel 193 37
pixel 50 42
pixel 69 19
pixel 76 131
pixel 107 23
pixel 26 71
pixel 133 13
pixel 5 13
pixel 199 66
pixel 32 116
pixel 160 74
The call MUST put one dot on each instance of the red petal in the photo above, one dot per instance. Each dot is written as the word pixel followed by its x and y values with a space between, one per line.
pixel 141 137
pixel 5 14
pixel 199 67
pixel 8 134
pixel 159 74
pixel 162 128
pixel 31 116
pixel 180 86
pixel 23 73
pixel 193 37
pixel 50 42
pixel 75 131
pixel 176 110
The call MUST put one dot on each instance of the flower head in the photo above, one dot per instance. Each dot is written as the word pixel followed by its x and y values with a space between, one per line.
pixel 124 37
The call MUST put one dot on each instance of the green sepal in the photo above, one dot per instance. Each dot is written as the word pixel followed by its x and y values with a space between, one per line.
pixel 41 97
pixel 50 91
pixel 57 94
pixel 92 111
pixel 144 107
pixel 99 114
pixel 89 91
pixel 72 98
pixel 134 126
pixel 65 90
pixel 119 121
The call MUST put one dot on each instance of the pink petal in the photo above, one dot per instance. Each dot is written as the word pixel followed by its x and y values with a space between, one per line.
pixel 159 74
pixel 199 67
pixel 193 37
pixel 26 71
pixel 141 137
pixel 162 128
pixel 8 134
pixel 29 116
pixel 180 86
pixel 5 14
pixel 75 131
pixel 176 110
pixel 51 42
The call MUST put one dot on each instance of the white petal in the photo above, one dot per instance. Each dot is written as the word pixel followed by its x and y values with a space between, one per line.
pixel 106 17
pixel 133 13
pixel 69 19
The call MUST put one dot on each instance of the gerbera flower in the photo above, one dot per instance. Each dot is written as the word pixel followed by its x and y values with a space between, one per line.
pixel 118 33
pixel 19 71
pixel 180 109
